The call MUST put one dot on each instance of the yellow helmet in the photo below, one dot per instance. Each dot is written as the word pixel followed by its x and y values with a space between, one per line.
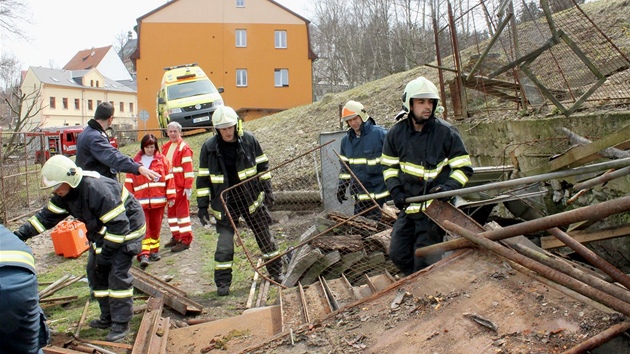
pixel 419 88
pixel 353 109
pixel 60 169
pixel 224 117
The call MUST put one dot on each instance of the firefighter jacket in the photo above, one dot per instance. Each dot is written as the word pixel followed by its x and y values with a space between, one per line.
pixel 363 156
pixel 96 153
pixel 213 179
pixel 417 161
pixel 112 216
pixel 182 164
pixel 152 194
pixel 14 252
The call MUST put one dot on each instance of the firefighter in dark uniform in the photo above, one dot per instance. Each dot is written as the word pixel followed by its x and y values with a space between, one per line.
pixel 116 226
pixel 226 159
pixel 23 328
pixel 421 155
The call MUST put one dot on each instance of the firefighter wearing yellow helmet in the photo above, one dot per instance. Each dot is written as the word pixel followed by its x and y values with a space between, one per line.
pixel 115 228
pixel 232 157
pixel 360 153
pixel 421 155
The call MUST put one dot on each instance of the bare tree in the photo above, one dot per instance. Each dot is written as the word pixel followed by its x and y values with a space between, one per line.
pixel 13 15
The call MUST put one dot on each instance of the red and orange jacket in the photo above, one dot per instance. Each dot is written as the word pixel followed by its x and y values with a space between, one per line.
pixel 152 194
pixel 182 166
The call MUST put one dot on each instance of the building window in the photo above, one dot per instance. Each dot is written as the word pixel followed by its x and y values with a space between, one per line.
pixel 98 103
pixel 91 83
pixel 280 38
pixel 64 101
pixel 240 3
pixel 122 106
pixel 241 77
pixel 52 102
pixel 97 83
pixel 112 103
pixel 77 105
pixel 131 108
pixel 90 106
pixel 281 77
pixel 241 38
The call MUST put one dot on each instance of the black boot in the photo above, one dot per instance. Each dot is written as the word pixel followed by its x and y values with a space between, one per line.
pixel 118 332
pixel 100 323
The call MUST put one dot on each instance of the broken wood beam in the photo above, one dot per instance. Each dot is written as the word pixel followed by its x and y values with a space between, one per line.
pixel 304 260
pixel 320 267
pixel 343 243
pixel 173 297
pixel 586 236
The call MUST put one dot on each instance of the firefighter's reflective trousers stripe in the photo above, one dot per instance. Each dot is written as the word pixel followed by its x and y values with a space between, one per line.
pixel 112 286
pixel 224 255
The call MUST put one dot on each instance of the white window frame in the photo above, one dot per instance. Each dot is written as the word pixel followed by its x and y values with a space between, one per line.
pixel 241 77
pixel 281 77
pixel 280 39
pixel 240 3
pixel 241 38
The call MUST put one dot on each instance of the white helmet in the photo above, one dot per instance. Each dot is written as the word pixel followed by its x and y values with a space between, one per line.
pixel 60 169
pixel 353 109
pixel 224 117
pixel 419 88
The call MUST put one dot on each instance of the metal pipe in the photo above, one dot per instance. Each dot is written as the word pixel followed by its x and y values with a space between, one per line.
pixel 559 265
pixel 602 179
pixel 542 269
pixel 592 212
pixel 591 257
pixel 525 180
pixel 600 338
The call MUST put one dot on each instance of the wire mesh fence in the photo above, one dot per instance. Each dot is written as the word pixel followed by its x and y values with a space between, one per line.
pixel 332 243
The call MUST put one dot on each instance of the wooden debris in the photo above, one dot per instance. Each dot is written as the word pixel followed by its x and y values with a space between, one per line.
pixel 344 243
pixel 252 289
pixel 61 283
pixel 482 321
pixel 300 263
pixel 357 223
pixel 320 267
pixel 173 297
pixel 80 325
pixel 383 239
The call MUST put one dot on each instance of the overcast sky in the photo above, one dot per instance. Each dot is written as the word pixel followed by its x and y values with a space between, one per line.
pixel 61 28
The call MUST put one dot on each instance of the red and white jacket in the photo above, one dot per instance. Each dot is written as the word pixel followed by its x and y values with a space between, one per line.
pixel 182 164
pixel 152 194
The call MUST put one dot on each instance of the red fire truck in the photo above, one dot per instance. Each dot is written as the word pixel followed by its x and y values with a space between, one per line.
pixel 59 140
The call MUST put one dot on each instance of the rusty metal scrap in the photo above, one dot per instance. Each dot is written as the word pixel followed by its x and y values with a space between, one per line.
pixel 482 321
pixel 173 297
pixel 597 212
pixel 153 332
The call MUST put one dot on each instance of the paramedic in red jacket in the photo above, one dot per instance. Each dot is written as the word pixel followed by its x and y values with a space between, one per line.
pixel 152 195
pixel 180 156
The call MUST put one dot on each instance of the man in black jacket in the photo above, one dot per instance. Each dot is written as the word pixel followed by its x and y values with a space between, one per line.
pixel 115 224
pixel 227 159
pixel 23 328
pixel 96 153
pixel 421 155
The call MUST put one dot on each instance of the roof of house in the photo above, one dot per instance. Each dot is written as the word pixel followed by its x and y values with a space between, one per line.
pixel 72 78
pixel 87 58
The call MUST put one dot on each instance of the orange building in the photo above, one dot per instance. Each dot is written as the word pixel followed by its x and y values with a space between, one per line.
pixel 257 50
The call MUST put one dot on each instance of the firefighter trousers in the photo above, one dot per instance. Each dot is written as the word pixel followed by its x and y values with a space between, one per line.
pixel 112 285
pixel 224 255
pixel 410 233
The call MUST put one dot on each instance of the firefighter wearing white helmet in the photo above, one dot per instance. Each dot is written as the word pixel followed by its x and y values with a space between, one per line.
pixel 115 228
pixel 229 158
pixel 421 155
pixel 360 152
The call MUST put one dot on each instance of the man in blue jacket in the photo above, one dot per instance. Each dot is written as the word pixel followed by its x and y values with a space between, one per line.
pixel 361 151
pixel 23 328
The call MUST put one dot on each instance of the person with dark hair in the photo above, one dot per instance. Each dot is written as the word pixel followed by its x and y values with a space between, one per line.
pixel 180 156
pixel 23 327
pixel 96 153
pixel 115 229
pixel 152 195
pixel 422 154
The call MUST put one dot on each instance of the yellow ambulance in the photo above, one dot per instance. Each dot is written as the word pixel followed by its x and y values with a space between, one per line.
pixel 187 96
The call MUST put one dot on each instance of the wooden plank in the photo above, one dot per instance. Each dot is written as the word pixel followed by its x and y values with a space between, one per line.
pixel 173 297
pixel 549 242
pixel 320 266
pixel 301 264
pixel 571 158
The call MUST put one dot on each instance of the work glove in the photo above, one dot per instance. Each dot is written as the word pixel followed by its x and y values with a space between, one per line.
pixel 203 215
pixel 398 196
pixel 188 193
pixel 269 199
pixel 441 188
pixel 341 193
